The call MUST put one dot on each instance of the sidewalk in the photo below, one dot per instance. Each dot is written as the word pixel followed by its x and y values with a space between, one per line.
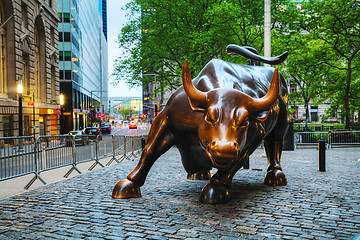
pixel 314 205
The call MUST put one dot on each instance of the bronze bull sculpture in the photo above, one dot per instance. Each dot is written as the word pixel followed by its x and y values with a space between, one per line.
pixel 217 120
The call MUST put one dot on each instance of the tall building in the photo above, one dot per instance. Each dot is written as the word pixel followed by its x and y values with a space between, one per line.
pixel 103 13
pixel 29 58
pixel 83 63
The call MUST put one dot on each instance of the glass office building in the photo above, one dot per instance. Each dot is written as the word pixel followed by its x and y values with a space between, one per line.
pixel 82 63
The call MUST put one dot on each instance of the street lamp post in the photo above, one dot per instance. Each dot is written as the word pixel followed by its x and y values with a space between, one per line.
pixel 61 113
pixel 20 91
pixel 34 127
pixel 92 104
pixel 156 101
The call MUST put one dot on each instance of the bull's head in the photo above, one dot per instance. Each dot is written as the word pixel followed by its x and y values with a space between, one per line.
pixel 229 114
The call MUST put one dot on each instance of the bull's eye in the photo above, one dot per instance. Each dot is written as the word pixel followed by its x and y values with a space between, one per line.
pixel 244 123
pixel 209 119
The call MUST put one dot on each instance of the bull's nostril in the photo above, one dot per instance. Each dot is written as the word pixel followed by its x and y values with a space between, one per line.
pixel 213 143
pixel 235 145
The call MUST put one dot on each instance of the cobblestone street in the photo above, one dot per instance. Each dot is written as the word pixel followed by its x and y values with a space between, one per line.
pixel 314 205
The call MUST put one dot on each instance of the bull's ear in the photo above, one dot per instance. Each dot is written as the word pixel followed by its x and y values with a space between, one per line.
pixel 259 116
pixel 196 108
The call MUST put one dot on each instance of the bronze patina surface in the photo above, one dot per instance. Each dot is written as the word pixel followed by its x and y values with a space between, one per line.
pixel 217 120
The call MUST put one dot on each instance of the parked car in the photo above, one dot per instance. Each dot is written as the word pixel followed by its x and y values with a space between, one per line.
pixel 133 125
pixel 94 132
pixel 80 137
pixel 105 128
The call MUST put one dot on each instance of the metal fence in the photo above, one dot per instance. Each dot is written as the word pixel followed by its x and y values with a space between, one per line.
pixel 344 138
pixel 332 138
pixel 21 156
pixel 301 127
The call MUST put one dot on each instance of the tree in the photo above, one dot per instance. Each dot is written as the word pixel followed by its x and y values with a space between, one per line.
pixel 167 32
pixel 128 112
pixel 335 23
pixel 302 68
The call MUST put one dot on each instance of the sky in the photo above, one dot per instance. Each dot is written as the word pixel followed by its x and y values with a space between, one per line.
pixel 116 20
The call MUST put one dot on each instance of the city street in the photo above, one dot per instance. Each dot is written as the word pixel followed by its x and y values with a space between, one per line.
pixel 314 205
pixel 87 151
pixel 124 130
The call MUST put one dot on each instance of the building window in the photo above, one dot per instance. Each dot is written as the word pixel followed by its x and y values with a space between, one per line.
pixel 37 61
pixel 50 3
pixel 40 76
pixel 314 113
pixel 65 17
pixel 26 125
pixel 2 53
pixel 7 126
pixel 25 74
pixel 292 88
pixel 65 74
pixel 53 83
pixel 52 33
pixel 24 21
pixel 65 56
pixel 64 36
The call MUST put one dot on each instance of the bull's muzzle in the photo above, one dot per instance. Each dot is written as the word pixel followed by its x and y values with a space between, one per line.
pixel 223 153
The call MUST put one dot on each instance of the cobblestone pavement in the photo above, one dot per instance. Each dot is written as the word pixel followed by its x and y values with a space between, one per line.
pixel 314 205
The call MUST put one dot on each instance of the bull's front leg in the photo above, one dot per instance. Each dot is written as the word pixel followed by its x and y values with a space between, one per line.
pixel 159 140
pixel 217 191
pixel 274 175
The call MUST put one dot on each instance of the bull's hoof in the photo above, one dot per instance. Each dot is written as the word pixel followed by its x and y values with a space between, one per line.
pixel 275 178
pixel 200 175
pixel 214 194
pixel 126 189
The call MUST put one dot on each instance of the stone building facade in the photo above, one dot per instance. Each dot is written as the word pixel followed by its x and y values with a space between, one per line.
pixel 29 56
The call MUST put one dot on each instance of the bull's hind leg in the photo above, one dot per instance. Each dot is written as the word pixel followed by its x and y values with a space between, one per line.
pixel 159 140
pixel 273 147
pixel 274 175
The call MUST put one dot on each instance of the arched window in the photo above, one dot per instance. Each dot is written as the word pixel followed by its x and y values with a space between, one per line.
pixel 39 60
pixel 2 52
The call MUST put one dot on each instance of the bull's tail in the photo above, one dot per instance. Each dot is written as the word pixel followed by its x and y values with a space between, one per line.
pixel 252 54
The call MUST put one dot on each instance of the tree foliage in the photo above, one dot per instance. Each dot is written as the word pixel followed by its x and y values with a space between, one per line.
pixel 128 113
pixel 335 24
pixel 323 40
pixel 167 32
pixel 322 37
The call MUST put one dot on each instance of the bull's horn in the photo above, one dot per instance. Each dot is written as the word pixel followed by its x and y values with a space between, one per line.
pixel 259 104
pixel 197 98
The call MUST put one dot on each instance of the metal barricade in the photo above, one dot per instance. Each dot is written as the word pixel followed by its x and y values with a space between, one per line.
pixel 344 138
pixel 118 148
pixel 136 145
pixel 24 155
pixel 17 157
pixel 309 138
pixel 104 148
pixel 54 151
pixel 85 152
pixel 96 156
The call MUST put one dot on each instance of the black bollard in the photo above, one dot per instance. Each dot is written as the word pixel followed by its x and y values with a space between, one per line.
pixel 321 149
pixel 142 143
pixel 246 163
